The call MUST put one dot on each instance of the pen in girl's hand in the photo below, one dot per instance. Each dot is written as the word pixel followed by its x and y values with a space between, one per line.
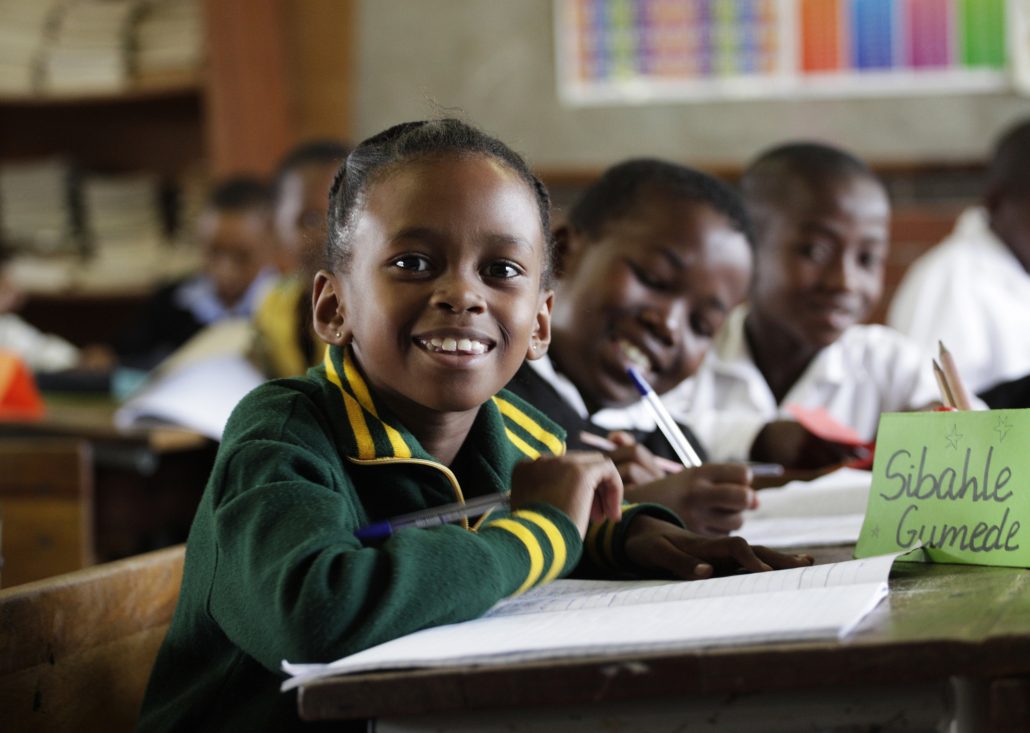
pixel 431 517
pixel 684 450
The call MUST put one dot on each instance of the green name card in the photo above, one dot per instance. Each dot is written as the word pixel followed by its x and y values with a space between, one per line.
pixel 958 482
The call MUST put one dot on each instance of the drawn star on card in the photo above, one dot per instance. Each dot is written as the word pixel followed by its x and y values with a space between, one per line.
pixel 1002 427
pixel 953 437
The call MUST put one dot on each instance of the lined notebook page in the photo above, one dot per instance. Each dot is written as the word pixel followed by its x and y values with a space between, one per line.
pixel 586 618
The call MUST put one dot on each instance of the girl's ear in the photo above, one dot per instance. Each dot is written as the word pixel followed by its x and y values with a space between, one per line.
pixel 540 339
pixel 327 309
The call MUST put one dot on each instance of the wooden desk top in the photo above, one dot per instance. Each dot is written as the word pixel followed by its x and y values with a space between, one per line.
pixel 938 621
pixel 92 418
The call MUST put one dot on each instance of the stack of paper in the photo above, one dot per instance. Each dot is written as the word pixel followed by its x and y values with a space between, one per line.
pixel 169 38
pixel 90 48
pixel 826 511
pixel 572 618
pixel 21 43
pixel 122 208
pixel 35 211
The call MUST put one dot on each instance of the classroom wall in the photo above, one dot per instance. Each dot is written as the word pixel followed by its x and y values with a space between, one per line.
pixel 493 60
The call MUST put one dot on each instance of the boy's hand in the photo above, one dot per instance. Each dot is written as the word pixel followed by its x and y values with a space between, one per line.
pixel 584 485
pixel 672 551
pixel 789 443
pixel 709 498
pixel 636 464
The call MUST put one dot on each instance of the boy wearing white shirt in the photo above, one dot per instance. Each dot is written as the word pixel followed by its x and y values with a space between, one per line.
pixel 972 291
pixel 821 222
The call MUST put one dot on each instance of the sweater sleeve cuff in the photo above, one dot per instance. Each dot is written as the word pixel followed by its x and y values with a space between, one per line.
pixel 543 536
pixel 605 544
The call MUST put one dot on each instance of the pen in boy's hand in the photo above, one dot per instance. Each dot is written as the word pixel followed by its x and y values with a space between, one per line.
pixel 431 517
pixel 684 450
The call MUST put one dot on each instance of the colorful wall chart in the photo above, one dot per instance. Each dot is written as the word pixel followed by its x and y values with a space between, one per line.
pixel 628 50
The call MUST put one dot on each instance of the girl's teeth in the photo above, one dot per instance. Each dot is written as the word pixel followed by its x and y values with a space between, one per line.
pixel 436 342
pixel 449 344
pixel 465 345
pixel 478 347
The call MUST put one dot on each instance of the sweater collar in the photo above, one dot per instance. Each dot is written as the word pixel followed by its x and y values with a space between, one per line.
pixel 506 424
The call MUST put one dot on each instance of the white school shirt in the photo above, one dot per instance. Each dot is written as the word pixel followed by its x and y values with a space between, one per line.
pixel 631 417
pixel 972 293
pixel 870 369
pixel 41 352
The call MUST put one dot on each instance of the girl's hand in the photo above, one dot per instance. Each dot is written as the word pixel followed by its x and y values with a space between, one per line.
pixel 584 485
pixel 669 550
pixel 709 498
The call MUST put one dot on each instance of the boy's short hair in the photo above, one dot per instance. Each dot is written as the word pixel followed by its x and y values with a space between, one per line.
pixel 1009 170
pixel 311 152
pixel 767 180
pixel 623 186
pixel 413 141
pixel 239 193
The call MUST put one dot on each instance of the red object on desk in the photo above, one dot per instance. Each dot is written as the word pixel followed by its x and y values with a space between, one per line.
pixel 822 424
pixel 19 397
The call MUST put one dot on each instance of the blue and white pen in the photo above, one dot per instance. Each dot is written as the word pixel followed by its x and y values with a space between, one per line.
pixel 684 450
pixel 444 514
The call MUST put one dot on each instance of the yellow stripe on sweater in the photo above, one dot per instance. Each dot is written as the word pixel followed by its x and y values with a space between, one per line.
pixel 400 448
pixel 522 445
pixel 356 418
pixel 557 542
pixel 531 426
pixel 536 554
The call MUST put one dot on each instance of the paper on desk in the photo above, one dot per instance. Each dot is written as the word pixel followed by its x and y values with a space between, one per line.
pixel 199 396
pixel 825 511
pixel 571 618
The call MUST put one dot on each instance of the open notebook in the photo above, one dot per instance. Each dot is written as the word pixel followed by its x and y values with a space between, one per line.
pixel 571 618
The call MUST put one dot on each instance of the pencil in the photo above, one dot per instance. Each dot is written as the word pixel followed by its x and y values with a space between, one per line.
pixel 959 393
pixel 942 384
pixel 431 517
pixel 684 450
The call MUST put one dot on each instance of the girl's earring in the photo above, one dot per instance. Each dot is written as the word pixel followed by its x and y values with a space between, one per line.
pixel 337 334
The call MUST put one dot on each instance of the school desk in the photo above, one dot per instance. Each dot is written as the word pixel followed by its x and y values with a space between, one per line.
pixel 147 481
pixel 950 641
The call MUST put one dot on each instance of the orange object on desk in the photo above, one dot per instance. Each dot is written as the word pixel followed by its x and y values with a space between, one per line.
pixel 19 397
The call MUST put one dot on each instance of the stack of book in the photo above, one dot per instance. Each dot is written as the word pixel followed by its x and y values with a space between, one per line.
pixel 22 37
pixel 90 48
pixel 169 39
pixel 35 210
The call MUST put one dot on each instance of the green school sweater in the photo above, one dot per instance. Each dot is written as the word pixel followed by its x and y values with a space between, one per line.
pixel 273 570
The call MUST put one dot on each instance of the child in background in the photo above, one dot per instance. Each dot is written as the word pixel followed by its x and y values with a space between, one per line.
pixel 235 234
pixel 438 290
pixel 652 259
pixel 285 344
pixel 973 289
pixel 821 222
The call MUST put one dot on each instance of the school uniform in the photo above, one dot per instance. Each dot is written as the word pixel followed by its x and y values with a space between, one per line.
pixel 273 570
pixel 554 394
pixel 972 293
pixel 285 343
pixel 869 370
pixel 40 351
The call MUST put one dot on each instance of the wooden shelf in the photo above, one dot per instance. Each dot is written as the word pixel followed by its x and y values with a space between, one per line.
pixel 143 90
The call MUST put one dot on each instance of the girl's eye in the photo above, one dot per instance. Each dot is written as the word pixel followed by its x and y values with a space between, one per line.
pixel 412 263
pixel 870 260
pixel 502 270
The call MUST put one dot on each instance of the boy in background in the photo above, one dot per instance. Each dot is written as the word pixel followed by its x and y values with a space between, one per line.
pixel 821 220
pixel 235 236
pixel 284 341
pixel 972 291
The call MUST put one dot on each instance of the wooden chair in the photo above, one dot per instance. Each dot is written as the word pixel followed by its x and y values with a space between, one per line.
pixel 76 650
pixel 46 507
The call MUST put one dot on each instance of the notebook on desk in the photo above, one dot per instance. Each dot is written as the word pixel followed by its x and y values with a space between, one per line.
pixel 570 618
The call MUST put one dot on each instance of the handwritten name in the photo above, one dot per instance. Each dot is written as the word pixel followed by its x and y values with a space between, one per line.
pixel 922 484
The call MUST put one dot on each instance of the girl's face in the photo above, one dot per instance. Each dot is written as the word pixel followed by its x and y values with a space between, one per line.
pixel 820 259
pixel 441 301
pixel 650 292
